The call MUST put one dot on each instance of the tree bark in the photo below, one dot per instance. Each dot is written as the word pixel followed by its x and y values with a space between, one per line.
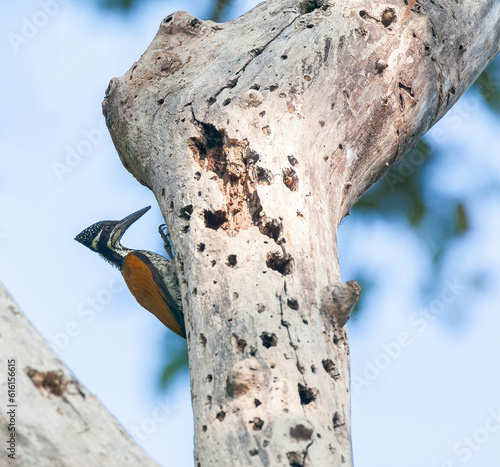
pixel 48 418
pixel 257 136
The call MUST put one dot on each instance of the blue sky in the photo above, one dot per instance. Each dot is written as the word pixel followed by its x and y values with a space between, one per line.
pixel 425 372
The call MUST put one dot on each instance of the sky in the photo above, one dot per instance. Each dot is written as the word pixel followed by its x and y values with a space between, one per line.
pixel 425 375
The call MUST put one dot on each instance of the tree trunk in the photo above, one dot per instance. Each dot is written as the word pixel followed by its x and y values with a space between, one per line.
pixel 48 419
pixel 257 136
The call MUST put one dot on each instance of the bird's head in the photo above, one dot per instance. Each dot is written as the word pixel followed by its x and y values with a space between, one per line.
pixel 104 237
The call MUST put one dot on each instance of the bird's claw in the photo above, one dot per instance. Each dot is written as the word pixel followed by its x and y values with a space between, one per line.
pixel 167 245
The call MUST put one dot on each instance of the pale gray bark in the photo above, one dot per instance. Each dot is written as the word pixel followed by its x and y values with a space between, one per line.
pixel 257 136
pixel 57 422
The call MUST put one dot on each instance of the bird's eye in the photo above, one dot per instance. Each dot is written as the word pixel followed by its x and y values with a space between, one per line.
pixel 107 228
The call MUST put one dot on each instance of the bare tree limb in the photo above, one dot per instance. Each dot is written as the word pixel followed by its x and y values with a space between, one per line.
pixel 49 418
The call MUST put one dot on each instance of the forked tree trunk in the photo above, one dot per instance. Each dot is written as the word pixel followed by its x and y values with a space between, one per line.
pixel 257 136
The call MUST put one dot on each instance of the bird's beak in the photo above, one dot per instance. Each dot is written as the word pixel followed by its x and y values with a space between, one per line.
pixel 125 223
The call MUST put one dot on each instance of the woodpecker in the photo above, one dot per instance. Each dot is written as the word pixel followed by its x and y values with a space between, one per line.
pixel 149 276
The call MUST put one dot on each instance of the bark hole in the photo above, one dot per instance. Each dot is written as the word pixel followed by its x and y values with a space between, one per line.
pixel 201 247
pixel 257 424
pixel 186 212
pixel 292 303
pixel 329 367
pixel 294 459
pixel 337 420
pixel 268 339
pixel 279 262
pixel 203 340
pixel 231 261
pixel 215 220
pixel 221 416
pixel 239 344
pixel 310 5
pixel 388 17
pixel 408 89
pixel 307 395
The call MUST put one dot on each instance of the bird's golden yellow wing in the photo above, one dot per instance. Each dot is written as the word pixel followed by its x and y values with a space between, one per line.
pixel 146 285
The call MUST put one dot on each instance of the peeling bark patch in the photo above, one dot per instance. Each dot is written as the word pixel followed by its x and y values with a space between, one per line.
pixel 234 164
pixel 279 262
pixel 388 17
pixel 168 63
pixel 307 395
pixel 292 303
pixel 244 378
pixel 329 367
pixel 267 226
pixel 337 301
pixel 291 179
pixel 257 424
pixel 231 261
pixel 268 339
pixel 221 416
pixel 301 432
pixel 293 160
pixel 52 382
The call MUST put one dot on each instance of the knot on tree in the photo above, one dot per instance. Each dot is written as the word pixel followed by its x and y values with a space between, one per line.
pixel 337 301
